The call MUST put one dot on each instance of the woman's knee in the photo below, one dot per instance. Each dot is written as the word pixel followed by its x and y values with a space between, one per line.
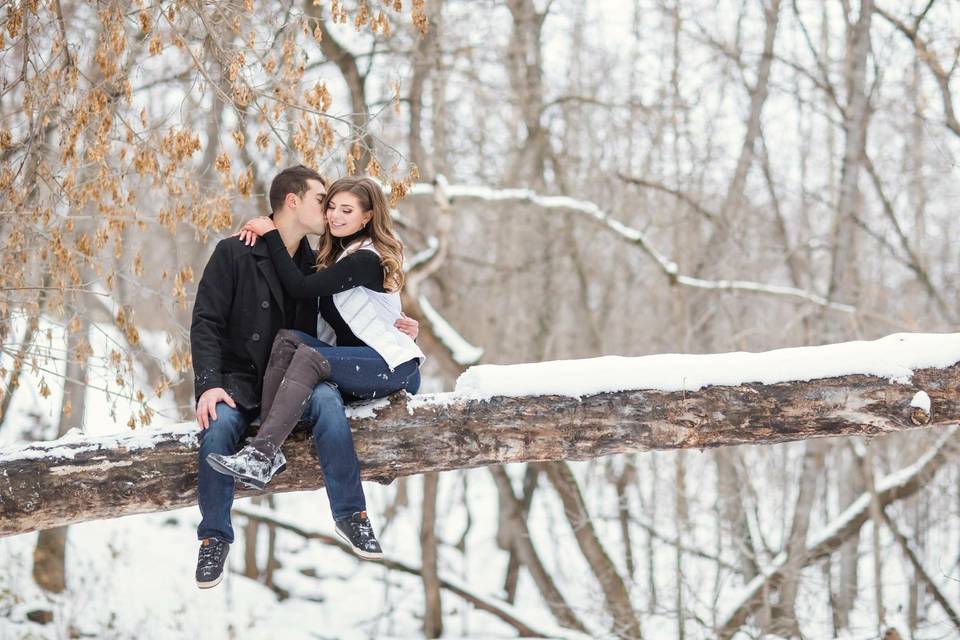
pixel 412 384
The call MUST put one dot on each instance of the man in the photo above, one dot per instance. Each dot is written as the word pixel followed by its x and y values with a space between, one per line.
pixel 239 309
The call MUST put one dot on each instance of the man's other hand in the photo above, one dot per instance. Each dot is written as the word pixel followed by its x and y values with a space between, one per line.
pixel 207 405
pixel 408 325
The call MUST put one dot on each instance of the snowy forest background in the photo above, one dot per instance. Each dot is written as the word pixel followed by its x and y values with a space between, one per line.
pixel 735 175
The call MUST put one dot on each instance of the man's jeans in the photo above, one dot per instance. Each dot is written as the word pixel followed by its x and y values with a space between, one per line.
pixel 362 374
pixel 332 440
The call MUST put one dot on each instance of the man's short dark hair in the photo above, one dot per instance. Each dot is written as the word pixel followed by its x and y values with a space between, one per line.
pixel 291 180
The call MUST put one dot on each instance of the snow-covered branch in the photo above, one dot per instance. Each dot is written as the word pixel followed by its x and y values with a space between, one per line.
pixel 462 352
pixel 423 256
pixel 420 266
pixel 598 215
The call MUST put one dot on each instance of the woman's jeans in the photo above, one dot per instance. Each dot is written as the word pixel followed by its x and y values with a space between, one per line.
pixel 362 374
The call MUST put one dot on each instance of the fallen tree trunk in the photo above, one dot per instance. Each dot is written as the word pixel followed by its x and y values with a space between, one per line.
pixel 78 479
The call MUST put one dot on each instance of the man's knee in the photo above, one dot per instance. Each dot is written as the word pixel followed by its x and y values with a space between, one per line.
pixel 224 433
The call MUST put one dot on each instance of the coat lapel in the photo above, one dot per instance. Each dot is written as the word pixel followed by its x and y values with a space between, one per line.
pixel 265 265
pixel 304 258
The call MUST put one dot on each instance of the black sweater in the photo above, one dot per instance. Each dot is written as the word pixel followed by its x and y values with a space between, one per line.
pixel 359 269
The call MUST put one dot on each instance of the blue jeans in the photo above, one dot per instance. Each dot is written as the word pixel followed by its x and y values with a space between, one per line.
pixel 362 374
pixel 332 440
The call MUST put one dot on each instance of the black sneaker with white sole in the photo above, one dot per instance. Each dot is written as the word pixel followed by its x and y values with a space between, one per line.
pixel 358 533
pixel 210 562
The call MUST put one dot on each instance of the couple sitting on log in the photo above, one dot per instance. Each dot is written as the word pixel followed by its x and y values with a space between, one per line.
pixel 286 334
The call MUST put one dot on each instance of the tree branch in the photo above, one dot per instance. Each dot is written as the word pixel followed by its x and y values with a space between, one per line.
pixel 77 479
pixel 629 234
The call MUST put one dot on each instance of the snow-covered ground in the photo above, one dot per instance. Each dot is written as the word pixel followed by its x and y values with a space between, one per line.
pixel 133 578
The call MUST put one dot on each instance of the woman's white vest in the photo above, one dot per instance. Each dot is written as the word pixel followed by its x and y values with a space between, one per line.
pixel 370 315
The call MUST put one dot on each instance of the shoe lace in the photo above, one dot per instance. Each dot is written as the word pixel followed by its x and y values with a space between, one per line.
pixel 364 528
pixel 210 554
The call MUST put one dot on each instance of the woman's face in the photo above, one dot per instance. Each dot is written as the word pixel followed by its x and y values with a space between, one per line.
pixel 345 216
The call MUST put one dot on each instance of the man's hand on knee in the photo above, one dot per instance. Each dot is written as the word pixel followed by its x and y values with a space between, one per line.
pixel 207 405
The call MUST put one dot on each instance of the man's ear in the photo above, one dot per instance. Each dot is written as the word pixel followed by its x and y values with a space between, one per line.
pixel 291 201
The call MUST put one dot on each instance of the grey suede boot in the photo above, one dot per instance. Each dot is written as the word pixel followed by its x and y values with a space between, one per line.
pixel 261 459
pixel 284 346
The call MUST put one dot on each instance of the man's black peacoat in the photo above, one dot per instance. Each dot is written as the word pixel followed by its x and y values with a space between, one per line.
pixel 239 308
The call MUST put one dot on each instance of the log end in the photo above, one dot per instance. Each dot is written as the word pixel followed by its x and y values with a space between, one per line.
pixel 919 417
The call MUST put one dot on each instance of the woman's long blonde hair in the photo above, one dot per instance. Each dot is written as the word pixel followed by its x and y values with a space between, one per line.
pixel 379 229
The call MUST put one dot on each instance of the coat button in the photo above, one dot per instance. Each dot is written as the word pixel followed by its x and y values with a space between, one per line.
pixel 264 304
pixel 255 337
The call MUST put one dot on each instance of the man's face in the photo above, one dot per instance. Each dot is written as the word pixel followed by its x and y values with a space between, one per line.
pixel 309 209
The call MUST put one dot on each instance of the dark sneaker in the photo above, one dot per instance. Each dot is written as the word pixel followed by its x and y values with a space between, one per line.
pixel 213 555
pixel 249 465
pixel 358 533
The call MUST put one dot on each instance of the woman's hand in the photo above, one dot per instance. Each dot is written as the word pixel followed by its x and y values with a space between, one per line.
pixel 255 228
pixel 407 325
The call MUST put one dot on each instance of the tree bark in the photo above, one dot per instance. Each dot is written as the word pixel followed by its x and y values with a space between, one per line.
pixel 925 580
pixel 250 538
pixel 10 385
pixel 867 464
pixel 426 55
pixel 356 81
pixel 433 613
pixel 785 621
pixel 50 552
pixel 507 532
pixel 929 58
pixel 733 201
pixel 845 271
pixel 680 516
pixel 626 477
pixel 626 624
pixel 847 588
pixel 53 484
pixel 732 512
pixel 511 510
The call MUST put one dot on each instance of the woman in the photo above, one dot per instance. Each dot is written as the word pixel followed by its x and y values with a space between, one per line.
pixel 358 349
